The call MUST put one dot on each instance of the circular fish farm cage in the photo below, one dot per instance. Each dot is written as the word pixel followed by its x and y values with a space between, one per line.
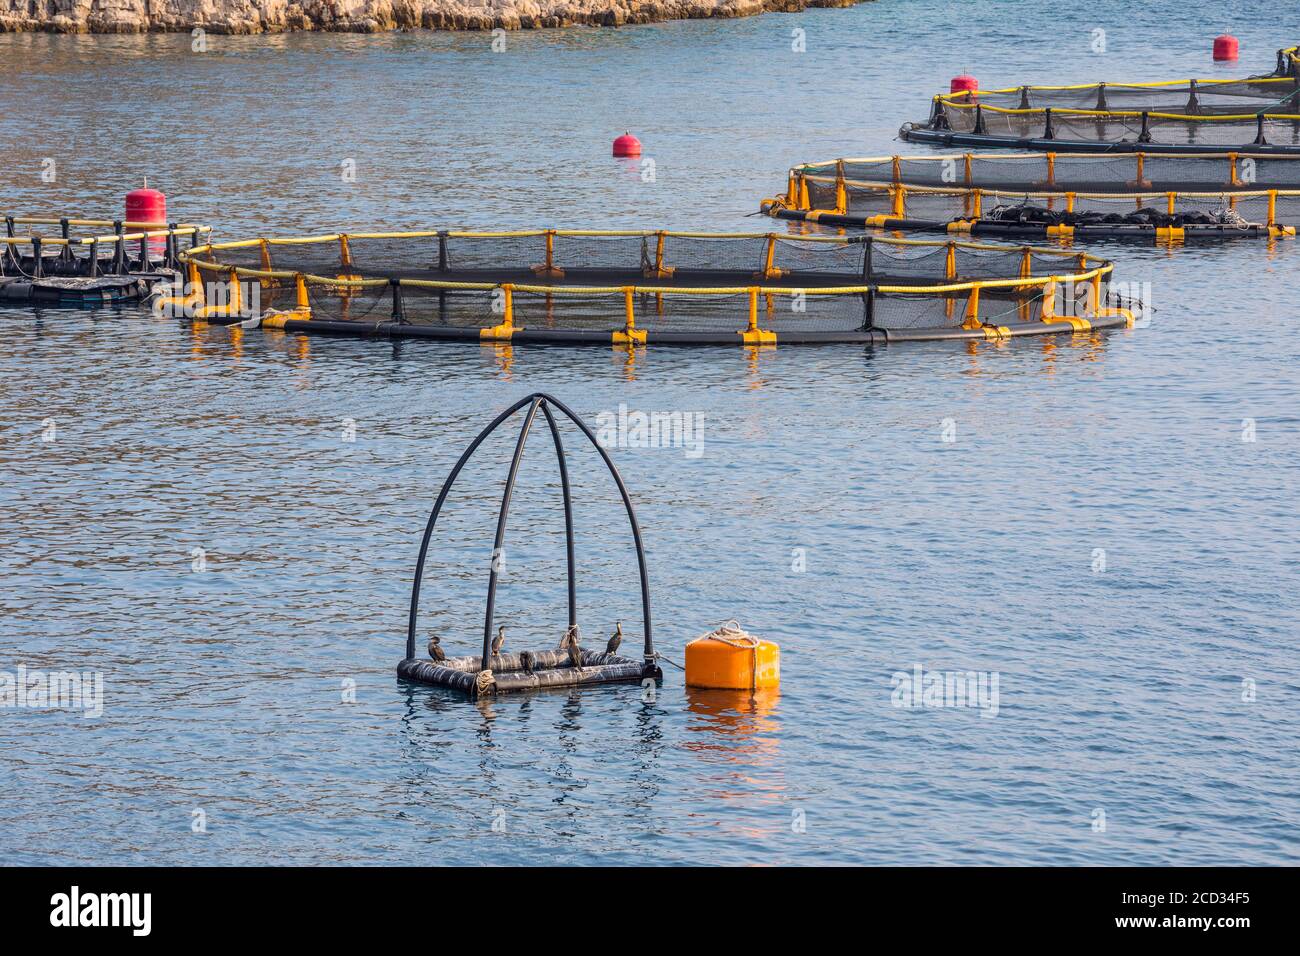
pixel 1134 196
pixel 1257 114
pixel 80 263
pixel 638 288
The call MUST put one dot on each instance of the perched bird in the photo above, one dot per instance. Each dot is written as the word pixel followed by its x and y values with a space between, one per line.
pixel 499 641
pixel 615 639
pixel 435 649
pixel 527 660
pixel 570 643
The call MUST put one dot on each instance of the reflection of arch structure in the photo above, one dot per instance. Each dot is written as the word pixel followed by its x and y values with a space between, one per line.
pixel 490 673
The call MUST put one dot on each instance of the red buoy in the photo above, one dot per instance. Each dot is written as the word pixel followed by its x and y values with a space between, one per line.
pixel 963 84
pixel 1225 47
pixel 147 205
pixel 627 145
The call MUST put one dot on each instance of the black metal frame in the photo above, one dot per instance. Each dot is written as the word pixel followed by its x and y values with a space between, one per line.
pixel 535 402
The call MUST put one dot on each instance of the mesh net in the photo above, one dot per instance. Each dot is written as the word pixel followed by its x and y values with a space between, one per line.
pixel 1213 113
pixel 43 247
pixel 1078 172
pixel 1227 192
pixel 659 282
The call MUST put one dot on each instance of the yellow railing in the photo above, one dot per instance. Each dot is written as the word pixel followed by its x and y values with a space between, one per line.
pixel 141 233
pixel 202 261
pixel 1271 83
pixel 974 198
pixel 1232 163
pixel 211 249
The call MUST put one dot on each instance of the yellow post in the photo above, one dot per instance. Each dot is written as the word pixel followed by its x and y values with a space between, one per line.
pixel 661 271
pixel 345 261
pixel 1272 207
pixel 841 194
pixel 1049 301
pixel 1141 171
pixel 1051 169
pixel 191 293
pixel 629 335
pixel 950 262
pixel 266 255
pixel 548 269
pixel 900 200
pixel 791 191
pixel 301 312
pixel 1026 270
pixel 769 270
pixel 1232 170
pixel 753 335
pixel 1172 200
pixel 507 327
pixel 1069 202
pixel 973 308
pixel 236 302
pixel 897 169
pixel 968 172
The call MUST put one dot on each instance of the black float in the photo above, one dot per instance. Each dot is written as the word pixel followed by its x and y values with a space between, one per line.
pixel 569 664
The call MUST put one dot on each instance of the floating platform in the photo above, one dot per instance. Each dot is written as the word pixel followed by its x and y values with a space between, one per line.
pixel 1052 196
pixel 494 672
pixel 90 268
pixel 642 288
pixel 1258 114
pixel 543 669
pixel 80 293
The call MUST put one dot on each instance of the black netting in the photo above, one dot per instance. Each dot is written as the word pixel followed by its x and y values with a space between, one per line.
pixel 704 285
pixel 737 256
pixel 1073 172
pixel 31 248
pixel 838 261
pixel 1066 180
pixel 1205 96
pixel 1116 127
pixel 617 253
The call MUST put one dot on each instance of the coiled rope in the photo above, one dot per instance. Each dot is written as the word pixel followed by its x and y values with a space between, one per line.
pixel 732 634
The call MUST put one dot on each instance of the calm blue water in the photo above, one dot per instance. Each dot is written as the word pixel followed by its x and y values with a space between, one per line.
pixel 1121 690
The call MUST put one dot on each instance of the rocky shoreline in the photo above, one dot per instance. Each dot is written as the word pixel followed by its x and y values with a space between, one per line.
pixel 365 16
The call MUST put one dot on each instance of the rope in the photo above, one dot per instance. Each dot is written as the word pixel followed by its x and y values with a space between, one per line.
pixel 659 657
pixel 732 634
pixel 484 682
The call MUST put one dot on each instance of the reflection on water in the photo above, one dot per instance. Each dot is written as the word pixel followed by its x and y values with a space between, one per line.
pixel 737 723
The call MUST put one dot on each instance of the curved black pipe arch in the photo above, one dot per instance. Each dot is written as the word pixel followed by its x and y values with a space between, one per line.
pixel 543 402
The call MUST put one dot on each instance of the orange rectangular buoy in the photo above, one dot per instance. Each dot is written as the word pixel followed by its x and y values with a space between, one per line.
pixel 732 659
